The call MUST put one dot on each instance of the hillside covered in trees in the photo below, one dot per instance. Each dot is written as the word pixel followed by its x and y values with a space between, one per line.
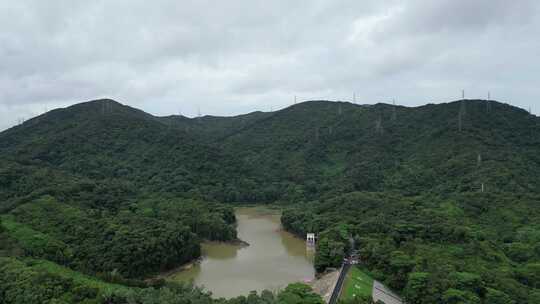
pixel 442 200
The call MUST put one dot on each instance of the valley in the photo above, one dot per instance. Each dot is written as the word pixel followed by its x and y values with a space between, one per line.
pixel 273 258
pixel 441 202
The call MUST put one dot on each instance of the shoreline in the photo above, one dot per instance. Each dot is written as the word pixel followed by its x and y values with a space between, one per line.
pixel 324 283
pixel 293 244
pixel 163 275
pixel 236 242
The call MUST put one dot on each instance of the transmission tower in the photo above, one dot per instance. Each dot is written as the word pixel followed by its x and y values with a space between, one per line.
pixel 488 102
pixel 460 115
pixel 394 114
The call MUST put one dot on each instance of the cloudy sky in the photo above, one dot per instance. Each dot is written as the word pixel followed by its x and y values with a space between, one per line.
pixel 231 57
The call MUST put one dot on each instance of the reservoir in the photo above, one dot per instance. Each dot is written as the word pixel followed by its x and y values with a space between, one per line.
pixel 273 259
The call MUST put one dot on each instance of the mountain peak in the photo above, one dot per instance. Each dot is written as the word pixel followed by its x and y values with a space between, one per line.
pixel 96 103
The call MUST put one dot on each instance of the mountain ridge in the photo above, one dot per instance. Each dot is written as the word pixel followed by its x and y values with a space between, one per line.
pixel 338 140
pixel 104 105
pixel 442 199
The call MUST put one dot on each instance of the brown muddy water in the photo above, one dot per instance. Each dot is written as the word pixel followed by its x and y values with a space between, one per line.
pixel 273 259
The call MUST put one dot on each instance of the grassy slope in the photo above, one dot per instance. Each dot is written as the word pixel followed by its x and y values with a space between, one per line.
pixel 77 277
pixel 31 241
pixel 357 284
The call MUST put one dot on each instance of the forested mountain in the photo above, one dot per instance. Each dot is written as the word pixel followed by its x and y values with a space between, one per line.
pixel 211 128
pixel 442 200
pixel 345 147
pixel 89 188
pixel 305 150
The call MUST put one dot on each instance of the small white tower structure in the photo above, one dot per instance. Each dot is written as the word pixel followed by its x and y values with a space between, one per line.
pixel 310 239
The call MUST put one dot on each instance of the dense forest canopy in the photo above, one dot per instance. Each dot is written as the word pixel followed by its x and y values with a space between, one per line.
pixel 442 201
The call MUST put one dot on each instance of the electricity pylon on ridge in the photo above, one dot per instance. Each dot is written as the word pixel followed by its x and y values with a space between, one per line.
pixel 394 114
pixel 461 113
pixel 488 102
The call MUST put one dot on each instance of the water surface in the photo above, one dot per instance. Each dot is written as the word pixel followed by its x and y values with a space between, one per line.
pixel 273 259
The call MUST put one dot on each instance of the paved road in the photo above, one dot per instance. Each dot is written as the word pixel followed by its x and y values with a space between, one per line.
pixel 339 284
pixel 381 293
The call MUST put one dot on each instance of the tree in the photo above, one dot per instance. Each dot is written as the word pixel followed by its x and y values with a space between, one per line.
pixel 468 281
pixel 417 288
pixel 494 296
pixel 299 293
pixel 456 296
pixel 400 266
pixel 529 275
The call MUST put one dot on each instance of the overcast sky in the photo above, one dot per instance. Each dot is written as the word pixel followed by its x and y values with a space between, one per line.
pixel 232 57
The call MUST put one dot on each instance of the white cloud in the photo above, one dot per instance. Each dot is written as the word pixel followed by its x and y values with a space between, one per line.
pixel 231 57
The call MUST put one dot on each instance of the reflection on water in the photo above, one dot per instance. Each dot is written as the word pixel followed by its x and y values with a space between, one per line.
pixel 220 251
pixel 273 259
pixel 295 246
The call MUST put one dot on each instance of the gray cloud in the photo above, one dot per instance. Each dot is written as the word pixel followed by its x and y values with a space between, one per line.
pixel 231 57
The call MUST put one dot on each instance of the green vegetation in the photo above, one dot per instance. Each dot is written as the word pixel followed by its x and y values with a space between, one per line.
pixel 130 243
pixel 440 200
pixel 36 281
pixel 357 284
pixel 423 248
pixel 44 266
pixel 417 247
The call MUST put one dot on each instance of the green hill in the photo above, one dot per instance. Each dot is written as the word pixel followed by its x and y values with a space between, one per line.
pixel 302 151
pixel 442 200
pixel 345 147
